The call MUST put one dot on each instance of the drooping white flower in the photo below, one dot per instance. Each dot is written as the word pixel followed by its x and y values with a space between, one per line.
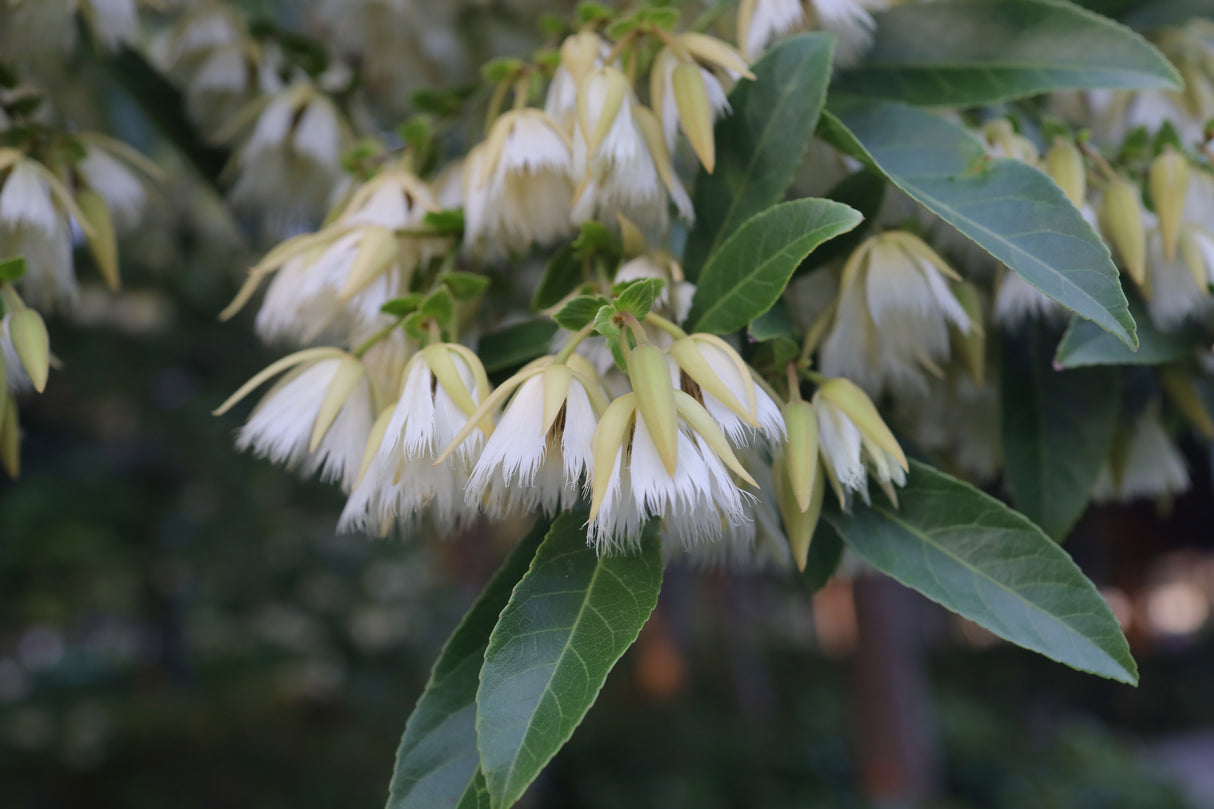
pixel 894 313
pixel 580 53
pixel 338 278
pixel 540 454
pixel 34 225
pixel 1145 464
pixel 516 188
pixel 1179 287
pixel 851 23
pixel 316 418
pixel 113 170
pixel 761 21
pixel 713 373
pixel 290 161
pixel 658 453
pixel 686 91
pixel 441 388
pixel 620 160
pixel 855 442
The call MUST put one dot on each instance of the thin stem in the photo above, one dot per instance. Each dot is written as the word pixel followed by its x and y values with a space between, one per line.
pixel 619 46
pixel 436 332
pixel 709 16
pixel 495 104
pixel 665 325
pixel 366 345
pixel 634 325
pixel 1099 160
pixel 794 383
pixel 813 376
pixel 574 341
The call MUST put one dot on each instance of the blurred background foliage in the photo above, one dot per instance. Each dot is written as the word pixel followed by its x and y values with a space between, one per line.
pixel 180 625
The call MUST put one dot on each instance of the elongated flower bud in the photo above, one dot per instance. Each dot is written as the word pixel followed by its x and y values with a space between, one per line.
pixel 695 112
pixel 650 377
pixel 32 344
pixel 1169 183
pixel 1121 221
pixel 1064 163
pixel 801 451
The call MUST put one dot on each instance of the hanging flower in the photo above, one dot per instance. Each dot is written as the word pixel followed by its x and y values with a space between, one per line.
pixel 894 313
pixel 315 418
pixel 713 374
pixel 855 442
pixel 401 478
pixel 1145 463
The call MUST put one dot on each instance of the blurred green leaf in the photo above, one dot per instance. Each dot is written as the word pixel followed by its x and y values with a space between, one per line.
pixel 969 52
pixel 516 344
pixel 1085 343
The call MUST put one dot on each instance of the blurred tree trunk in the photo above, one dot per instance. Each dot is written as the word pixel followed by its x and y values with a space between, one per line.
pixel 897 744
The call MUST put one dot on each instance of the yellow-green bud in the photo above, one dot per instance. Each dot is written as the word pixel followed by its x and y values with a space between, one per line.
pixel 101 238
pixel 972 344
pixel 1169 183
pixel 801 451
pixel 32 344
pixel 1064 163
pixel 1121 221
pixel 695 112
pixel 650 377
pixel 799 523
pixel 10 438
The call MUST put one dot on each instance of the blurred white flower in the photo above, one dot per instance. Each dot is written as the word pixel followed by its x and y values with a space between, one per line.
pixel 1145 464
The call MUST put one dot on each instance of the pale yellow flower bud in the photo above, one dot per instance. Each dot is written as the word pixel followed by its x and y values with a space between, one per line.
pixel 801 451
pixel 579 52
pixel 1064 163
pixel 650 377
pixel 101 238
pixel 32 344
pixel 1169 183
pixel 1122 223
pixel 695 112
pixel 799 523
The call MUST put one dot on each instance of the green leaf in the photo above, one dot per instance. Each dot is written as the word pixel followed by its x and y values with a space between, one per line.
pixel 970 52
pixel 749 272
pixel 594 238
pixel 975 556
pixel 863 190
pixel 402 306
pixel 561 276
pixel 604 321
pixel 439 305
pixel 465 285
pixel 580 311
pixel 1058 429
pixel 448 222
pixel 775 322
pixel 516 344
pixel 637 296
pixel 1085 344
pixel 825 551
pixel 1011 210
pixel 761 144
pixel 437 763
pixel 568 621
pixel 11 269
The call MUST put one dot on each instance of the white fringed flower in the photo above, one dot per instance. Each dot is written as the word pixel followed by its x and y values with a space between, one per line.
pixel 580 53
pixel 894 313
pixel 441 388
pixel 855 442
pixel 713 373
pixel 118 174
pixel 658 453
pixel 516 186
pixel 539 455
pixel 1146 464
pixel 686 91
pixel 620 158
pixel 34 225
pixel 851 23
pixel 761 21
pixel 291 159
pixel 338 278
pixel 316 418
pixel 1180 286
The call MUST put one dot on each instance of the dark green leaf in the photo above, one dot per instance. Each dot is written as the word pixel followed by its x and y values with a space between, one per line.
pixel 637 296
pixel 773 323
pixel 825 551
pixel 1058 429
pixel 1010 209
pixel 580 311
pixel 465 285
pixel 437 763
pixel 975 556
pixel 595 239
pixel 969 52
pixel 761 144
pixel 11 269
pixel 568 621
pixel 1085 344
pixel 562 276
pixel 749 272
pixel 863 190
pixel 516 344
